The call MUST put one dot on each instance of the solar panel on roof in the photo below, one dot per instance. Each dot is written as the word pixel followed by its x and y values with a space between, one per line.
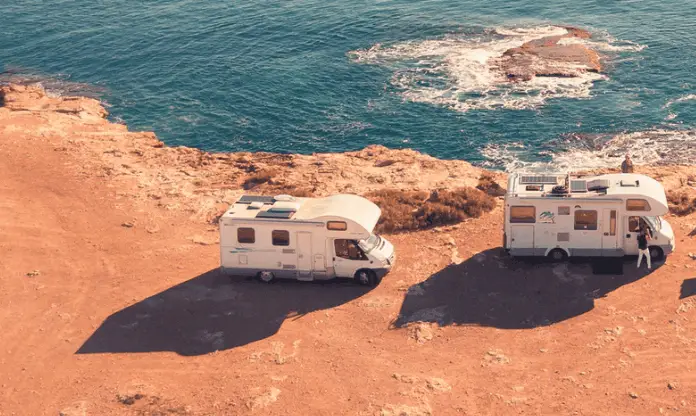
pixel 578 186
pixel 538 179
pixel 279 215
pixel 248 199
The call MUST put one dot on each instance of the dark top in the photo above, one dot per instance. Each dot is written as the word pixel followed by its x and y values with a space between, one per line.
pixel 627 166
pixel 642 241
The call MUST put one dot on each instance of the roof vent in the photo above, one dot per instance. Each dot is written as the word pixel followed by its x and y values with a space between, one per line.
pixel 255 205
pixel 284 198
pixel 629 183
pixel 284 207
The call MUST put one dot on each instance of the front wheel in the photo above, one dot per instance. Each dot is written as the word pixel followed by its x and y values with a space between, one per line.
pixel 266 277
pixel 366 277
pixel 656 253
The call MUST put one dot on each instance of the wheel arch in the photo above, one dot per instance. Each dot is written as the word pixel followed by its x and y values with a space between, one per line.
pixel 550 249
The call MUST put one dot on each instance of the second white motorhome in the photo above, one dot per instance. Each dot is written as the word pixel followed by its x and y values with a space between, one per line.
pixel 559 215
pixel 304 239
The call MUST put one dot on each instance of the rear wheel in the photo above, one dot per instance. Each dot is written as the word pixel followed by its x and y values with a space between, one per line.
pixel 366 277
pixel 266 277
pixel 557 255
pixel 656 253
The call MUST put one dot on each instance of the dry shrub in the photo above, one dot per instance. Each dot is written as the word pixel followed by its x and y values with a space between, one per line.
pixel 260 177
pixel 398 208
pixel 681 203
pixel 488 185
pixel 414 210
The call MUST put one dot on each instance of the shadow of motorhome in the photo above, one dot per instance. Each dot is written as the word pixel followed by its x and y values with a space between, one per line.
pixel 688 288
pixel 214 312
pixel 492 289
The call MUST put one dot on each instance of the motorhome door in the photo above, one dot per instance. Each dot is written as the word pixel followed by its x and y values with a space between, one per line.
pixel 609 231
pixel 630 243
pixel 522 237
pixel 304 252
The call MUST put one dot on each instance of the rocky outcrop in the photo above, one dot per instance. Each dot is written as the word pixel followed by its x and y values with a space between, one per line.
pixel 203 183
pixel 556 56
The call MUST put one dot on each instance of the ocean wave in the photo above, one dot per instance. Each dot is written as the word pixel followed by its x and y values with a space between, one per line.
pixel 687 97
pixel 459 71
pixel 576 152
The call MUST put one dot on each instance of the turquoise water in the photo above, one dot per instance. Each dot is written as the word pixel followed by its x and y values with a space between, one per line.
pixel 299 76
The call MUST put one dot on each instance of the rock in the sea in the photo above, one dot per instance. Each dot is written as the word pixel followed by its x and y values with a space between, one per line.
pixel 551 56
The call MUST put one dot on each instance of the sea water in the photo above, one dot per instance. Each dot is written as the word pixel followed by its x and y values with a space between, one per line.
pixel 328 76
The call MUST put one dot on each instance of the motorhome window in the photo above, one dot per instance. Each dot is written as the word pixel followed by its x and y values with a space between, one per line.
pixel 246 235
pixel 348 249
pixel 521 214
pixel 563 210
pixel 637 205
pixel 336 225
pixel 585 220
pixel 281 238
pixel 634 224
pixel 612 222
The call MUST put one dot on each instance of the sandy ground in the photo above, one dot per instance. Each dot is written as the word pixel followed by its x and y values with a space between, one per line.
pixel 109 305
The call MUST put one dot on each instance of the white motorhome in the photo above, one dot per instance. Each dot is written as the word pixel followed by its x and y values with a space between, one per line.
pixel 559 215
pixel 304 239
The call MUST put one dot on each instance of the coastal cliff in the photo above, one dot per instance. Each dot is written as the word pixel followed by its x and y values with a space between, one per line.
pixel 111 298
pixel 203 183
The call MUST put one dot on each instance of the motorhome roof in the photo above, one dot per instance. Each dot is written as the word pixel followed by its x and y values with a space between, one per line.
pixel 284 208
pixel 584 186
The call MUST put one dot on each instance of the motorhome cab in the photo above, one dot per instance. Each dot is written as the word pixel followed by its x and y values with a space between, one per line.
pixel 304 239
pixel 564 215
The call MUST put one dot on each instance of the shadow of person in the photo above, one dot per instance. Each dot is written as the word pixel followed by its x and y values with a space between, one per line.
pixel 495 290
pixel 213 312
pixel 688 288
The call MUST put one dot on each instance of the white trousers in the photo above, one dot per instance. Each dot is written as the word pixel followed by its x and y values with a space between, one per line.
pixel 642 253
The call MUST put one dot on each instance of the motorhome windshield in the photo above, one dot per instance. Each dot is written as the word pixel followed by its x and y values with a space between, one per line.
pixel 654 222
pixel 372 241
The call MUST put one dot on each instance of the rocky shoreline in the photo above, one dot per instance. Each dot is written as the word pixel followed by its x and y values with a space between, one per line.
pixel 203 183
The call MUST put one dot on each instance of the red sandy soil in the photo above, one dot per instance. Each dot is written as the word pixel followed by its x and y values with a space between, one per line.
pixel 126 314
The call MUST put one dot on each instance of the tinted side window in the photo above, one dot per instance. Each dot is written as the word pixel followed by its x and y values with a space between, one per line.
pixel 522 214
pixel 336 225
pixel 246 235
pixel 637 205
pixel 281 237
pixel 585 220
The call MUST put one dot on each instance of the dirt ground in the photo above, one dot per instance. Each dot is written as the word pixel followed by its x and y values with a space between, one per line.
pixel 111 307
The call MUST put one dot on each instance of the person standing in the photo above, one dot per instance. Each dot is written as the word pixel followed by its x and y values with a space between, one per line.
pixel 643 238
pixel 627 165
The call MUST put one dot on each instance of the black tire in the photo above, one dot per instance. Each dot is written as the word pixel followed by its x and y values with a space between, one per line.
pixel 656 253
pixel 366 277
pixel 265 277
pixel 557 255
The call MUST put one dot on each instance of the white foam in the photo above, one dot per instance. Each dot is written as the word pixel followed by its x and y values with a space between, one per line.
pixel 655 147
pixel 683 98
pixel 458 71
pixel 605 44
